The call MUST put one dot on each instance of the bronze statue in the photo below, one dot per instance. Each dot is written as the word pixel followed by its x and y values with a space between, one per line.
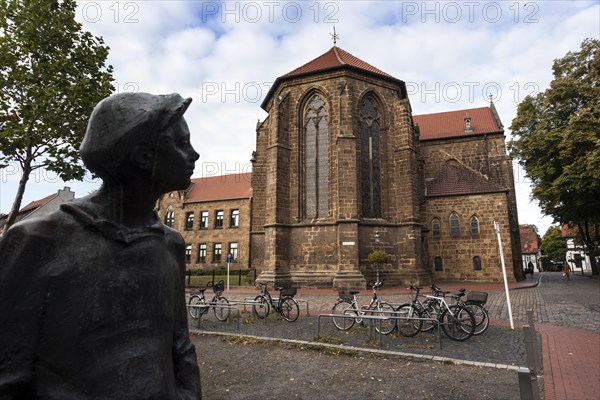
pixel 92 302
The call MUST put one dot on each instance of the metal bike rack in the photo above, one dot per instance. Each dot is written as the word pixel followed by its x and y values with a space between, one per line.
pixel 215 305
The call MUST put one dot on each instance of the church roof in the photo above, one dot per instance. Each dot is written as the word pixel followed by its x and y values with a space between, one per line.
pixel 223 187
pixel 530 240
pixel 452 123
pixel 455 179
pixel 332 59
pixel 335 58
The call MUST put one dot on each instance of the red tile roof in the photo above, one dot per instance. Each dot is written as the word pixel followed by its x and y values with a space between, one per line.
pixel 569 231
pixel 455 179
pixel 452 123
pixel 37 203
pixel 335 58
pixel 224 187
pixel 530 240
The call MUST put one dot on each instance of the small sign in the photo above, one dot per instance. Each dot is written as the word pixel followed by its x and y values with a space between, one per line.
pixel 229 257
pixel 348 243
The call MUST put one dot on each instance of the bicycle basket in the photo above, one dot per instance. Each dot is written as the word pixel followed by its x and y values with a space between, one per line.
pixel 345 295
pixel 218 287
pixel 288 292
pixel 477 297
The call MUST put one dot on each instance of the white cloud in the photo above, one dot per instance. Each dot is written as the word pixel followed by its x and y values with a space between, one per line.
pixel 226 54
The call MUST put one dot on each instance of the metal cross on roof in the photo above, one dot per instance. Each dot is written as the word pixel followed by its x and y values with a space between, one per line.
pixel 334 36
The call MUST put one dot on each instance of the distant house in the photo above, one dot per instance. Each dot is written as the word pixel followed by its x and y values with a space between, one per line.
pixel 41 207
pixel 530 246
pixel 576 255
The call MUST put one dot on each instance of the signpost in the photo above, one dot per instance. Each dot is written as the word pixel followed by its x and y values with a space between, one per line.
pixel 229 260
pixel 497 228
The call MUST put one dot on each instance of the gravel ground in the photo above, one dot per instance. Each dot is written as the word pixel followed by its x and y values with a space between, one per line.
pixel 236 368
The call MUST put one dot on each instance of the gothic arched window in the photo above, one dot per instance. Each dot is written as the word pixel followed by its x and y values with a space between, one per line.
pixel 454 225
pixel 317 159
pixel 436 228
pixel 474 226
pixel 169 217
pixel 370 159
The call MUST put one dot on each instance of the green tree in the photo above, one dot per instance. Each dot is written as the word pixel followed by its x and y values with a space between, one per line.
pixel 52 73
pixel 557 141
pixel 554 246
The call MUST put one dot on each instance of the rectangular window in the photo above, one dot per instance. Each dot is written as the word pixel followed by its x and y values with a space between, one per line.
pixel 233 250
pixel 202 253
pixel 204 220
pixel 189 221
pixel 219 219
pixel 188 253
pixel 217 248
pixel 235 219
pixel 438 264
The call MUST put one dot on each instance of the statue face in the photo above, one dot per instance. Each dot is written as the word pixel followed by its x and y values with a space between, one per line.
pixel 175 158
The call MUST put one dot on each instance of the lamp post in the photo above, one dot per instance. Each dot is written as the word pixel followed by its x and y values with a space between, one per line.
pixel 377 248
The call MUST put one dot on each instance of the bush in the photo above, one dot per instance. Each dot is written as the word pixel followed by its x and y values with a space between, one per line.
pixel 378 257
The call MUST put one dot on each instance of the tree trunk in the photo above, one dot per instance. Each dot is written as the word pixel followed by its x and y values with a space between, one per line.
pixel 593 263
pixel 12 215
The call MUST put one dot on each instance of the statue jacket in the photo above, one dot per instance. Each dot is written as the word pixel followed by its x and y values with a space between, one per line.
pixel 92 310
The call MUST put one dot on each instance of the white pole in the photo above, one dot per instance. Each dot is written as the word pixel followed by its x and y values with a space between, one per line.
pixel 497 228
pixel 228 274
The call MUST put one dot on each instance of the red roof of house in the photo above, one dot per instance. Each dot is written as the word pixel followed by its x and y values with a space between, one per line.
pixel 452 123
pixel 530 240
pixel 37 203
pixel 223 187
pixel 569 231
pixel 455 179
pixel 334 58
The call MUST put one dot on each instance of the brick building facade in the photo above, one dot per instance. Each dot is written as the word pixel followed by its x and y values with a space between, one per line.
pixel 343 168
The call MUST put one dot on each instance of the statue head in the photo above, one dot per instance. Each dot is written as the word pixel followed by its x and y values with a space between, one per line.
pixel 127 128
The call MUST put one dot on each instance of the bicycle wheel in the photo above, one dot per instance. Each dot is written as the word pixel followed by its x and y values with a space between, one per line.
pixel 408 327
pixel 221 308
pixel 344 308
pixel 431 310
pixel 195 312
pixel 482 320
pixel 289 309
pixel 261 307
pixel 385 326
pixel 458 323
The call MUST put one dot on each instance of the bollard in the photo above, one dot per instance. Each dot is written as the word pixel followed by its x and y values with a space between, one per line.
pixel 525 388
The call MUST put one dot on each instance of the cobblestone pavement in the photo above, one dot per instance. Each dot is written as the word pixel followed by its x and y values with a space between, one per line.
pixel 566 313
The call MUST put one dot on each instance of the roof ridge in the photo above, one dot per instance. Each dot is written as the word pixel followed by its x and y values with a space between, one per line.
pixel 338 56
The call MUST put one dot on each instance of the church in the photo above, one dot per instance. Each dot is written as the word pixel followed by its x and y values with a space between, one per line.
pixel 343 168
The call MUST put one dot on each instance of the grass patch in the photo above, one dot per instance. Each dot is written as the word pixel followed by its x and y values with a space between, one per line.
pixel 328 339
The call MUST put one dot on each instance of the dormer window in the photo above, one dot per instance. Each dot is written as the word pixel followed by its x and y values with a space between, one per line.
pixel 468 127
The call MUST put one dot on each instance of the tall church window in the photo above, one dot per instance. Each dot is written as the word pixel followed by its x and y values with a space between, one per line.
pixel 474 226
pixel 370 159
pixel 454 225
pixel 169 217
pixel 436 228
pixel 317 159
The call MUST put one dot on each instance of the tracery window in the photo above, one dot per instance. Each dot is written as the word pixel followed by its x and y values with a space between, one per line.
pixel 436 228
pixel 474 226
pixel 169 217
pixel 317 159
pixel 370 159
pixel 454 225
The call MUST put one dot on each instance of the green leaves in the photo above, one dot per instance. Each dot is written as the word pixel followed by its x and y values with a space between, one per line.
pixel 557 139
pixel 52 74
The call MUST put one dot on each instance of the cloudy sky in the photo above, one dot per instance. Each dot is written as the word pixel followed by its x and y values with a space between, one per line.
pixel 225 55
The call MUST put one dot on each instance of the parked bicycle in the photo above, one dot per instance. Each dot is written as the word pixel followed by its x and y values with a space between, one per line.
pixel 285 305
pixel 347 305
pixel 218 303
pixel 475 303
pixel 457 322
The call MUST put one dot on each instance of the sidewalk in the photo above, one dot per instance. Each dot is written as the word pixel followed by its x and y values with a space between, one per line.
pixel 571 356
